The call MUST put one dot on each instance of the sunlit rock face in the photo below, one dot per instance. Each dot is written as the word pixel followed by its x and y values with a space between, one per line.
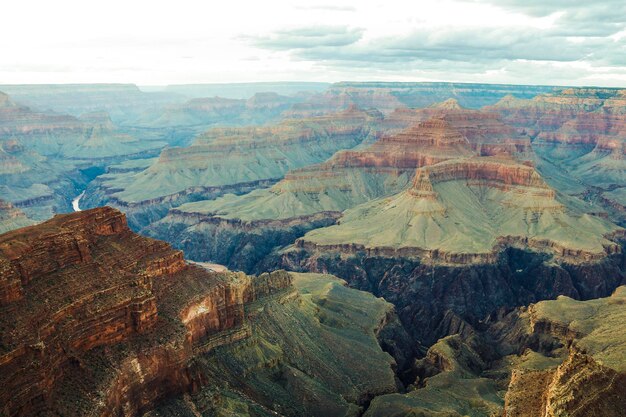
pixel 97 320
pixel 229 160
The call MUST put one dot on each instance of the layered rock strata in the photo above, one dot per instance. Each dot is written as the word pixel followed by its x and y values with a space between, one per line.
pixel 228 160
pixel 487 229
pixel 97 320
pixel 578 137
pixel 241 231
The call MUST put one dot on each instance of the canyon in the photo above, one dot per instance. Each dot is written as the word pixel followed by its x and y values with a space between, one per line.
pixel 97 320
pixel 348 249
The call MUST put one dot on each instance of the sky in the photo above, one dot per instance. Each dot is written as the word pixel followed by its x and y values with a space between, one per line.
pixel 554 42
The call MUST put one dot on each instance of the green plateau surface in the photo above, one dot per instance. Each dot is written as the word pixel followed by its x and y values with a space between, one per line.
pixel 342 189
pixel 464 218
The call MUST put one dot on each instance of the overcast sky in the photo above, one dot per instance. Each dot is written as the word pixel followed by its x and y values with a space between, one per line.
pixel 564 42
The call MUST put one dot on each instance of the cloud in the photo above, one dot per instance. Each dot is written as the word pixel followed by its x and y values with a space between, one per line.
pixel 458 44
pixel 561 41
pixel 573 17
pixel 309 37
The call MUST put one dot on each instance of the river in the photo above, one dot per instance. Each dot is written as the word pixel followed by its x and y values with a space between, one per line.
pixel 76 200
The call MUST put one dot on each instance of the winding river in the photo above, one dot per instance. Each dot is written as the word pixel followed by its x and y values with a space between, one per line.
pixel 76 200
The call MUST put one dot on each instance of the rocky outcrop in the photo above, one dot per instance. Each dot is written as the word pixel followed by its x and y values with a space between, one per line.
pixel 84 281
pixel 97 321
pixel 554 358
pixel 556 392
pixel 593 362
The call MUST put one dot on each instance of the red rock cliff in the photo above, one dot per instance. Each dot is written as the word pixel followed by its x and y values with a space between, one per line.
pixel 96 320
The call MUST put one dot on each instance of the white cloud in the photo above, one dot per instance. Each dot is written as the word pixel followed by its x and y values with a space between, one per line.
pixel 159 42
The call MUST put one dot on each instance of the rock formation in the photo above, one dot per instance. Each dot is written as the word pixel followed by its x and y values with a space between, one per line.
pixel 229 160
pixel 578 137
pixel 241 230
pixel 387 97
pixel 97 320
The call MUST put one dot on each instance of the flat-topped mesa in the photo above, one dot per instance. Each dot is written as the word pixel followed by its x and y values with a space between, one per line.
pixel 472 209
pixel 82 282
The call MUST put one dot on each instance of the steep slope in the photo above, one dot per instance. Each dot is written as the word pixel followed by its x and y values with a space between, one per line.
pixel 554 358
pixel 97 320
pixel 229 160
pixel 594 364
